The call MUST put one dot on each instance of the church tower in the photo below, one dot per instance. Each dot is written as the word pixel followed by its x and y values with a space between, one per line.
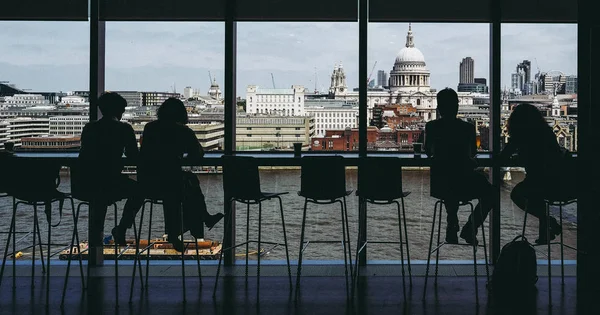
pixel 338 81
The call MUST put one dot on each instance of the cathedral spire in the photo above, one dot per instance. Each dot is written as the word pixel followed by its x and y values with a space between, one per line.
pixel 409 37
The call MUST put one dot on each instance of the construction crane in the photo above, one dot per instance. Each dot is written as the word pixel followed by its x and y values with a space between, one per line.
pixel 273 80
pixel 371 74
pixel 209 78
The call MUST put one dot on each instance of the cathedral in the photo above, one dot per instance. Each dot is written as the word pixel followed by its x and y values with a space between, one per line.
pixel 409 83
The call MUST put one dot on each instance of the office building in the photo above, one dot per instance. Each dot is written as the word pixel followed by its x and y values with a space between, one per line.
pixel 382 78
pixel 467 70
pixel 282 102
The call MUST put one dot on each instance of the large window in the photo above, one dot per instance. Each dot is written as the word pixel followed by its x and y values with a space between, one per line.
pixel 149 62
pixel 44 84
pixel 539 67
pixel 299 83
pixel 408 64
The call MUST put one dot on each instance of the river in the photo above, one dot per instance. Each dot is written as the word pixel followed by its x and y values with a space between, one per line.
pixel 323 222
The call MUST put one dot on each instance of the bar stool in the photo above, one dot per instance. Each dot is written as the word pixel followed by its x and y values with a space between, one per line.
pixel 241 183
pixel 323 182
pixel 158 199
pixel 442 190
pixel 34 183
pixel 85 197
pixel 558 200
pixel 375 189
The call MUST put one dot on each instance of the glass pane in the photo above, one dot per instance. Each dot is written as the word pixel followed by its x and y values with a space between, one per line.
pixel 542 73
pixel 149 62
pixel 299 85
pixel 43 98
pixel 409 64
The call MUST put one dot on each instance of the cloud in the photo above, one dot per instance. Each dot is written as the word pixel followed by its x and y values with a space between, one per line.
pixel 153 56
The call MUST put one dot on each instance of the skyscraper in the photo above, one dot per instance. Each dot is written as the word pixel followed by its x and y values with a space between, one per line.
pixel 467 70
pixel 382 78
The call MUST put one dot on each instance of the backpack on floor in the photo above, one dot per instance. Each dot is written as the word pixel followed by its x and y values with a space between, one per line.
pixel 515 271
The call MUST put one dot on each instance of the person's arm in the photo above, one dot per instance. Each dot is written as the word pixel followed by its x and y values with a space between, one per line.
pixel 509 149
pixel 428 141
pixel 193 147
pixel 472 141
pixel 131 148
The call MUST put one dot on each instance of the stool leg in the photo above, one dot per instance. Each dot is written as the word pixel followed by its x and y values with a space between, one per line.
pixel 485 252
pixel 149 239
pixel 401 249
pixel 182 252
pixel 437 253
pixel 76 227
pixel 62 302
pixel 524 221
pixel 299 272
pixel 259 240
pixel 60 205
pixel 136 259
pixel 549 259
pixel 36 228
pixel 430 246
pixel 287 255
pixel 348 236
pixel 198 261
pixel 562 253
pixel 222 252
pixel 247 241
pixel 139 238
pixel 344 244
pixel 116 261
pixel 14 245
pixel 10 233
pixel 406 241
pixel 473 230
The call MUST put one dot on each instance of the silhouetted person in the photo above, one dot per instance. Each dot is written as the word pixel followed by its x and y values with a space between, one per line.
pixel 452 145
pixel 103 143
pixel 538 151
pixel 165 142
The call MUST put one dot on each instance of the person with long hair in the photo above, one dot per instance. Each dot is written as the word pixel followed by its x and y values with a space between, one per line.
pixel 538 151
pixel 165 141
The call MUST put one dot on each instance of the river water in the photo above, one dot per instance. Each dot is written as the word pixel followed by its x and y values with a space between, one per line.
pixel 323 221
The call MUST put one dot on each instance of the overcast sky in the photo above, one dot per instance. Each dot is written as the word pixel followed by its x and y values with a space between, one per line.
pixel 54 56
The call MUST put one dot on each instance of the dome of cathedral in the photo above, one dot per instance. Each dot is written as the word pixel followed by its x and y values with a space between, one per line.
pixel 410 55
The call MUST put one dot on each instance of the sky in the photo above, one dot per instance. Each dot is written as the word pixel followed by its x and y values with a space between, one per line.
pixel 54 56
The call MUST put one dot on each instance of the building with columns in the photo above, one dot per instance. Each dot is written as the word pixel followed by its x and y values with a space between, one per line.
pixel 409 83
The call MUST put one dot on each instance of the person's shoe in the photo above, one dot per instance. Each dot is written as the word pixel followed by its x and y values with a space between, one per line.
pixel 177 244
pixel 211 220
pixel 555 230
pixel 119 235
pixel 467 235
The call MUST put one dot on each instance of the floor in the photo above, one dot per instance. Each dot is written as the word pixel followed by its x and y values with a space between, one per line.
pixel 322 291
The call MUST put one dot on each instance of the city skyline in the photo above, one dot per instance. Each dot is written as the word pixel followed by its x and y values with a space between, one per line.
pixel 43 56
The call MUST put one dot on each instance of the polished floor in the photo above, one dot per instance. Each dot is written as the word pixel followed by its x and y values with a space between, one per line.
pixel 323 291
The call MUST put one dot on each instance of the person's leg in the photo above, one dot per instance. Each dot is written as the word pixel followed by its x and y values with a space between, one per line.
pixel 479 183
pixel 97 215
pixel 452 226
pixel 195 203
pixel 135 199
pixel 528 195
pixel 171 207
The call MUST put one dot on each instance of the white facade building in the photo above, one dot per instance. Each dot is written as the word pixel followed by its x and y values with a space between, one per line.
pixel 26 127
pixel 27 100
pixel 189 92
pixel 331 115
pixel 74 101
pixel 67 125
pixel 409 84
pixel 283 102
pixel 3 133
